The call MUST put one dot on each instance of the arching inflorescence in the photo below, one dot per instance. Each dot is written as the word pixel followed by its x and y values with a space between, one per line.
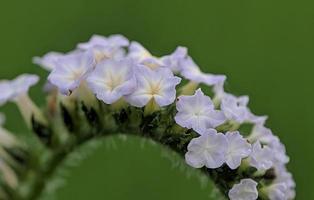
pixel 108 86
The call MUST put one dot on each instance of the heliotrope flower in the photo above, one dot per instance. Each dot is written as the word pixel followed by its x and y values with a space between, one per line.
pixel 234 108
pixel 106 47
pixel 198 112
pixel 112 80
pixel 265 136
pixel 157 85
pixel 207 150
pixel 7 139
pixel 193 73
pixel 71 70
pixel 17 91
pixel 261 157
pixel 174 60
pixel 141 55
pixel 245 190
pixel 237 149
pixel 285 177
pixel 48 61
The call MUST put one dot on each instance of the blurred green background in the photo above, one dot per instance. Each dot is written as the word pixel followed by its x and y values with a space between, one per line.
pixel 264 46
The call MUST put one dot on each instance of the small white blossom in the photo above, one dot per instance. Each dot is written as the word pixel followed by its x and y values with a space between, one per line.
pixel 158 85
pixel 265 136
pixel 238 148
pixel 261 157
pixel 174 60
pixel 48 61
pixel 71 71
pixel 283 176
pixel 245 190
pixel 11 90
pixel 193 73
pixel 105 47
pixel 277 191
pixel 17 91
pixel 198 112
pixel 112 80
pixel 6 92
pixel 234 108
pixel 141 55
pixel 207 150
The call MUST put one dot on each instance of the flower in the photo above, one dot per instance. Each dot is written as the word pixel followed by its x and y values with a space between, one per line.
pixel 105 47
pixel 71 71
pixel 17 91
pixel 245 190
pixel 238 148
pixel 277 191
pixel 207 150
pixel 234 108
pixel 98 40
pixel 12 90
pixel 197 112
pixel 141 55
pixel 158 85
pixel 173 61
pixel 193 73
pixel 48 61
pixel 112 79
pixel 285 177
pixel 265 136
pixel 261 157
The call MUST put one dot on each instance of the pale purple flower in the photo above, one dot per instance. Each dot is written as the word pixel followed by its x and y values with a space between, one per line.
pixel 11 90
pixel 6 92
pixel 48 61
pixel 158 85
pixel 285 177
pixel 198 112
pixel 265 136
pixel 261 157
pixel 105 47
pixel 112 80
pixel 277 191
pixel 245 190
pixel 207 150
pixel 71 71
pixel 234 108
pixel 237 149
pixel 174 60
pixel 193 73
pixel 141 55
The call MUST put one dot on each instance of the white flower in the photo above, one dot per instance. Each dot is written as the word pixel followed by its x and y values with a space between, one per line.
pixel 11 90
pixel 245 190
pixel 112 80
pixel 198 112
pixel 207 150
pixel 285 177
pixel 158 85
pixel 71 71
pixel 173 61
pixel 106 47
pixel 238 148
pixel 48 61
pixel 141 55
pixel 234 108
pixel 265 136
pixel 6 92
pixel 193 73
pixel 17 91
pixel 277 191
pixel 261 157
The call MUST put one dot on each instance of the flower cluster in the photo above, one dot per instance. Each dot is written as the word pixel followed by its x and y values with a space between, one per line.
pixel 112 71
